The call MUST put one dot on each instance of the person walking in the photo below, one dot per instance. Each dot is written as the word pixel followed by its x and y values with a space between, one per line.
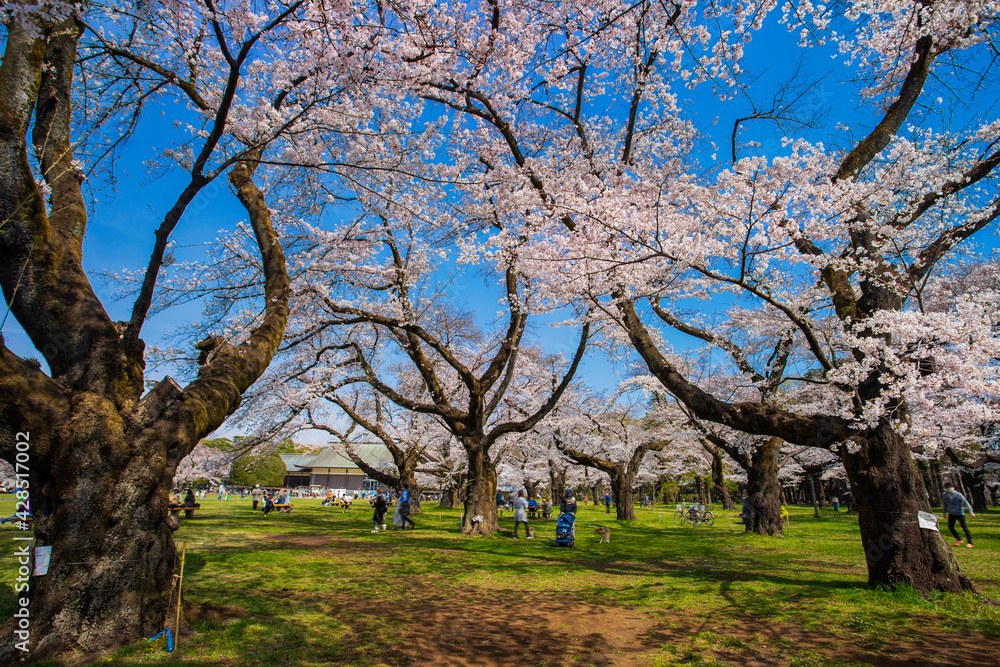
pixel 607 502
pixel 954 504
pixel 404 509
pixel 521 514
pixel 380 507
pixel 568 506
pixel 256 495
pixel 745 513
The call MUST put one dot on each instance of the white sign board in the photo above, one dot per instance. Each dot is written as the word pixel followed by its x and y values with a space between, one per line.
pixel 42 556
pixel 927 520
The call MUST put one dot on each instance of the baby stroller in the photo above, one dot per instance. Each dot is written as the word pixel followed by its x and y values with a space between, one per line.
pixel 564 530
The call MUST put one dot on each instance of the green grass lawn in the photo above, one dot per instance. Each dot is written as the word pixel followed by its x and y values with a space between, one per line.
pixel 315 587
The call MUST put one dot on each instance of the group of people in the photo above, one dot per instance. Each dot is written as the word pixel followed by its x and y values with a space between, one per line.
pixel 400 519
pixel 344 500
pixel 521 505
pixel 545 507
pixel 269 498
pixel 954 504
pixel 175 499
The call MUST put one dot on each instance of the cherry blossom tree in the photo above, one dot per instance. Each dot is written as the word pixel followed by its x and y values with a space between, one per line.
pixel 404 437
pixel 868 232
pixel 612 435
pixel 572 128
pixel 205 461
pixel 247 80
pixel 370 310
pixel 757 353
pixel 948 426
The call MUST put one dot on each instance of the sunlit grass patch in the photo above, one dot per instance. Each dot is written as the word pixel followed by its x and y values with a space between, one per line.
pixel 316 587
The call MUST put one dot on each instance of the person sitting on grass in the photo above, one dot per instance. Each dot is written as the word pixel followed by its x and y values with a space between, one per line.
pixel 954 505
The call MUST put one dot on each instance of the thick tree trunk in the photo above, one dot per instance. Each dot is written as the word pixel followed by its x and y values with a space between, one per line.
pixel 885 485
pixel 719 482
pixel 821 498
pixel 557 476
pixel 112 553
pixel 934 488
pixel 449 497
pixel 813 495
pixel 531 488
pixel 101 455
pixel 764 489
pixel 480 515
pixel 621 496
pixel 975 488
pixel 670 496
pixel 930 484
pixel 699 489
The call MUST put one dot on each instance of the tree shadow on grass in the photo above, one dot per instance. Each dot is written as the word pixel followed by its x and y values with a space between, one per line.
pixel 513 628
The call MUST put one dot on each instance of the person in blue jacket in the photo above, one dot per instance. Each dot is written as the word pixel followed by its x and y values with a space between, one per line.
pixel 404 509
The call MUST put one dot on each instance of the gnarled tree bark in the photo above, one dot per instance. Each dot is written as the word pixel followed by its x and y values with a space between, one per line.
pixel 102 455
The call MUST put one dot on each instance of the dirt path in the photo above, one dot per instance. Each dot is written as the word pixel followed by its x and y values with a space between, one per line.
pixel 445 625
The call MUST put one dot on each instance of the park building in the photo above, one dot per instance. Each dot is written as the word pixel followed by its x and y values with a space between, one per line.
pixel 330 469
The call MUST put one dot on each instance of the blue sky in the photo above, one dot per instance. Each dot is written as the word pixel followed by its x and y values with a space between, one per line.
pixel 120 232
pixel 122 223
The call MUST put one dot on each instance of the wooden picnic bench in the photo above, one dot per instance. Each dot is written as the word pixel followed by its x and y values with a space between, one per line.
pixel 175 510
pixel 538 513
pixel 283 507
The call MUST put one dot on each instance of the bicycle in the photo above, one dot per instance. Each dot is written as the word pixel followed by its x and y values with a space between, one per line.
pixel 696 515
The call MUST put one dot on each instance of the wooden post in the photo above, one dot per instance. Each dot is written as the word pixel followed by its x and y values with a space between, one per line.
pixel 180 582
